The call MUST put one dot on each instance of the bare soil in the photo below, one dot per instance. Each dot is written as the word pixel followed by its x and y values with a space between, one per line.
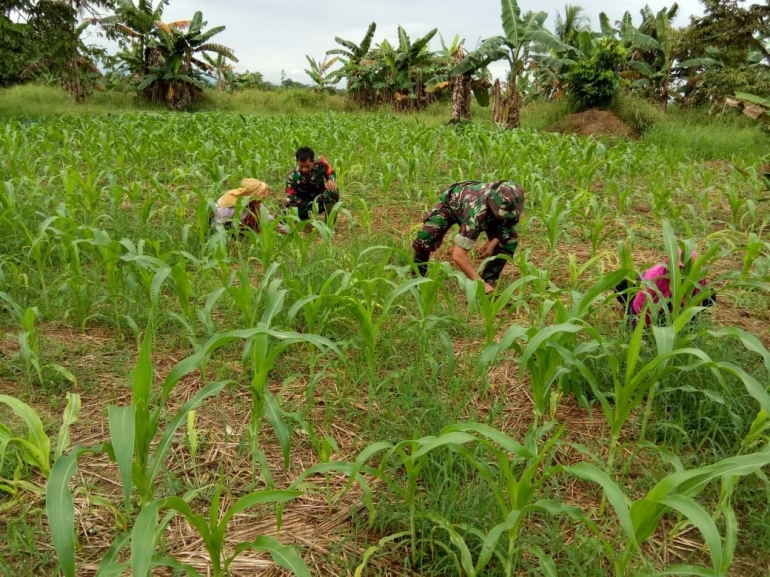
pixel 594 122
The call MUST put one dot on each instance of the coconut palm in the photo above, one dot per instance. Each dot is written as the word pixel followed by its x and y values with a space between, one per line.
pixel 319 72
pixel 568 28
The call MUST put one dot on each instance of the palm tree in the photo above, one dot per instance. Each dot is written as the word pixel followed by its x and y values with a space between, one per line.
pixel 319 72
pixel 568 28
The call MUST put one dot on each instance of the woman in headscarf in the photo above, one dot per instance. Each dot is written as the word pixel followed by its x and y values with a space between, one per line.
pixel 253 192
pixel 655 284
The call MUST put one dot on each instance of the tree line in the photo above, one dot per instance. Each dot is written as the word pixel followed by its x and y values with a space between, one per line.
pixel 723 52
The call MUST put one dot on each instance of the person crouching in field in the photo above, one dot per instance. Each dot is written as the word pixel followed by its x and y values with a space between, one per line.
pixel 311 181
pixel 493 208
pixel 655 284
pixel 253 192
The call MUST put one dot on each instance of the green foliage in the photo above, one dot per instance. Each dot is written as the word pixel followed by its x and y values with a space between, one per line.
pixel 638 113
pixel 698 135
pixel 164 59
pixel 524 37
pixel 46 43
pixel 296 349
pixel 594 81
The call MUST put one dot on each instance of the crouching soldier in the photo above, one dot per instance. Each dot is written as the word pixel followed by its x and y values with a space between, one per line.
pixel 493 208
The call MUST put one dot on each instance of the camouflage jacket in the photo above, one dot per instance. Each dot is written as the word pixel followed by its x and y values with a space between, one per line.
pixel 469 202
pixel 305 187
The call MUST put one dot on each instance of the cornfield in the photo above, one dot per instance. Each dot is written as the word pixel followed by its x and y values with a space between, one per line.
pixel 175 399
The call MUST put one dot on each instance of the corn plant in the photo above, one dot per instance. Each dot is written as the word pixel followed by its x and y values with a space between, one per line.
pixel 134 431
pixel 243 294
pixel 514 474
pixel 493 304
pixel 371 313
pixel 34 450
pixel 27 338
pixel 315 306
pixel 263 348
pixel 134 428
pixel 212 529
pixel 553 216
pixel 541 350
pixel 639 518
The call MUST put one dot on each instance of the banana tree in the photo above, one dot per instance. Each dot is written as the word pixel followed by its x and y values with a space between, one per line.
pixel 462 85
pixel 164 58
pixel 179 75
pixel 406 66
pixel 352 57
pixel 522 37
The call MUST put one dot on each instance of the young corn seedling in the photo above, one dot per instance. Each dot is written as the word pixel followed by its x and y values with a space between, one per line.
pixel 27 338
pixel 263 348
pixel 316 308
pixel 212 530
pixel 639 519
pixel 135 430
pixel 34 449
pixel 512 472
pixel 370 313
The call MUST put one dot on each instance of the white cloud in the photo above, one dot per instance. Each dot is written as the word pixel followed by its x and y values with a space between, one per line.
pixel 276 36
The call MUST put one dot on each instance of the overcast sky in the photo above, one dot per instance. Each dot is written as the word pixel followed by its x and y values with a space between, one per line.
pixel 269 37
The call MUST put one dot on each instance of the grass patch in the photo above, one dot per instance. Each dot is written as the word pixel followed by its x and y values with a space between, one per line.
pixel 697 135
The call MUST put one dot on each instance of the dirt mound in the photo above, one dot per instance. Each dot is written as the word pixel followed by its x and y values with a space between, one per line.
pixel 597 122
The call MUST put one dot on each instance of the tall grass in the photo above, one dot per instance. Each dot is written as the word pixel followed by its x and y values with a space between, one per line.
pixel 698 135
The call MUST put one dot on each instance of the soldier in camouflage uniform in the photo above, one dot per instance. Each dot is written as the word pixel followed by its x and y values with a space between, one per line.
pixel 493 208
pixel 311 181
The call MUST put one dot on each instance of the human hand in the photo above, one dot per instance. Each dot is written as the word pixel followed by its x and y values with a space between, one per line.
pixel 488 288
pixel 331 185
pixel 489 248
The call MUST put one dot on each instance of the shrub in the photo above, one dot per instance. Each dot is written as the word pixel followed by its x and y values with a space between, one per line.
pixel 594 80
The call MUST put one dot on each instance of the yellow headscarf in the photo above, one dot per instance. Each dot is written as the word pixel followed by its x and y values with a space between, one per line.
pixel 249 187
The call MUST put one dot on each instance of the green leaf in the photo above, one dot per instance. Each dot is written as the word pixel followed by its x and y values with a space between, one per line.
pixel 698 516
pixel 165 441
pixel 457 540
pixel 374 548
pixel 273 414
pixel 37 447
pixel 283 556
pixel 143 539
pixel 689 484
pixel 60 508
pixel 258 498
pixel 122 421
pixel 143 374
pixel 109 566
pixel 71 413
pixel 490 541
pixel 615 496
pixel 512 24
pixel 494 435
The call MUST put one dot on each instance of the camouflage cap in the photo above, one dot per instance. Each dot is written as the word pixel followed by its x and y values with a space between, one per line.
pixel 506 200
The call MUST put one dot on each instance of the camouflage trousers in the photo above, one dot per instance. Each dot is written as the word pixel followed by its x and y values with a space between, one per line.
pixel 304 205
pixel 435 226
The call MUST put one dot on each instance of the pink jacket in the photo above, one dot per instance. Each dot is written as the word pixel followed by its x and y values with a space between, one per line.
pixel 655 280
